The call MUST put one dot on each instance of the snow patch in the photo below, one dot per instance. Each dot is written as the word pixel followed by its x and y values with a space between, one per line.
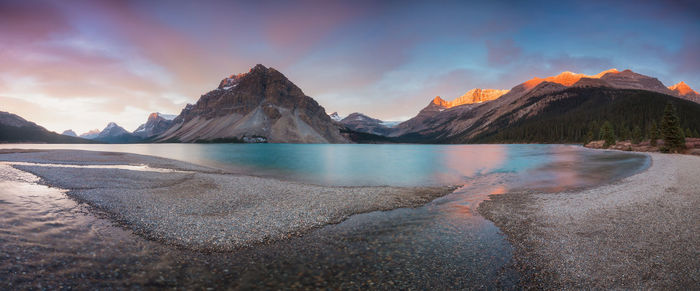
pixel 167 116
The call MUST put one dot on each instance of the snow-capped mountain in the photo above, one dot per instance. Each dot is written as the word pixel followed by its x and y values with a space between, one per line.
pixel 92 134
pixel 363 123
pixel 113 133
pixel 334 116
pixel 156 124
pixel 112 130
pixel 69 132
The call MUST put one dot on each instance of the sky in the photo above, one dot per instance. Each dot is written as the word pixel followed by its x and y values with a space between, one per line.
pixel 81 64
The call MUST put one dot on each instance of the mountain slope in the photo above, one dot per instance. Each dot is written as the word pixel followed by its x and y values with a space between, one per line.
pixel 15 129
pixel 156 124
pixel 567 116
pixel 261 105
pixel 436 107
pixel 92 134
pixel 365 124
pixel 69 132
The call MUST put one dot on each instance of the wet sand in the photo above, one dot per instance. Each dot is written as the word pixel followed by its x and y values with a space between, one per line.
pixel 642 232
pixel 204 208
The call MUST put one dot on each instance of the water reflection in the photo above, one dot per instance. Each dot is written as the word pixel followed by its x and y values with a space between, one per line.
pixel 558 166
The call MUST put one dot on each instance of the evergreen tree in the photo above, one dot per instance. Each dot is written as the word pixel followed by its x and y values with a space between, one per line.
pixel 625 133
pixel 637 135
pixel 688 133
pixel 671 130
pixel 653 134
pixel 695 133
pixel 607 134
pixel 589 136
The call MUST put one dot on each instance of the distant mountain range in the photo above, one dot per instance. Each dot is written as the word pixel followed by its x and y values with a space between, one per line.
pixel 569 101
pixel 363 123
pixel 262 105
pixel 15 129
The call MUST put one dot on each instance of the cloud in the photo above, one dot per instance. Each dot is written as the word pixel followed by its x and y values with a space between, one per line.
pixel 29 21
pixel 502 52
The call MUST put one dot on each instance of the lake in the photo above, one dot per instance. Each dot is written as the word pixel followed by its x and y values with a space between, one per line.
pixel 392 164
pixel 442 245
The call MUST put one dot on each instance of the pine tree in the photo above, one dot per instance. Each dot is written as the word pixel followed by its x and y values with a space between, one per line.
pixel 688 133
pixel 607 134
pixel 695 133
pixel 637 135
pixel 625 133
pixel 653 134
pixel 589 136
pixel 671 130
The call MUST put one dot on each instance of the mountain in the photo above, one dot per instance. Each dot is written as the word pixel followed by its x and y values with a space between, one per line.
pixel 568 102
pixel 92 134
pixel 69 132
pixel 477 96
pixel 114 133
pixel 684 91
pixel 15 129
pixel 438 105
pixel 365 124
pixel 260 106
pixel 335 117
pixel 156 124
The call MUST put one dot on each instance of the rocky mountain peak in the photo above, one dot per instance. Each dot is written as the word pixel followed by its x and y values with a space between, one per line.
pixel 440 102
pixel 478 95
pixel 69 132
pixel 335 116
pixel 683 89
pixel 156 124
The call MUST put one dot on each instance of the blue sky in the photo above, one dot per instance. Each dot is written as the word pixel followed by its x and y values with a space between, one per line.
pixel 81 64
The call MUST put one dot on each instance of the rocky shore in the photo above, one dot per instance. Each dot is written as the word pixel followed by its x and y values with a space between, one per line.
pixel 204 208
pixel 692 146
pixel 638 233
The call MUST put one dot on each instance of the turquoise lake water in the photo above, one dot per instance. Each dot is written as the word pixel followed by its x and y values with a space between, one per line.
pixel 391 164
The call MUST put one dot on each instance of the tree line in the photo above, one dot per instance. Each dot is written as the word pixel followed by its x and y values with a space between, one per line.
pixel 670 132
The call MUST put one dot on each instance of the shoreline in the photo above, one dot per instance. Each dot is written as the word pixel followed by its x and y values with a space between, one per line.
pixel 639 232
pixel 194 206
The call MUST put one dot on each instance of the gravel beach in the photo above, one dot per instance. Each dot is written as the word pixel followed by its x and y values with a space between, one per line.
pixel 641 232
pixel 205 208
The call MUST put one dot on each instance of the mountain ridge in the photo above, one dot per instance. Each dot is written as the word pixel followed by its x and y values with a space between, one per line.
pixel 16 129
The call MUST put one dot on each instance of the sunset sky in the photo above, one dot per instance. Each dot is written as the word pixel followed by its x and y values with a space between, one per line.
pixel 80 64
